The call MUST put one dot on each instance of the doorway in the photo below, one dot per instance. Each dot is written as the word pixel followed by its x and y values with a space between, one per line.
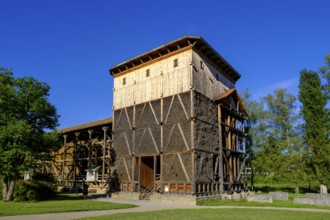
pixel 149 172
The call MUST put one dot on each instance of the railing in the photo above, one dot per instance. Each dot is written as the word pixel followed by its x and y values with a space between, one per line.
pixel 208 188
pixel 154 186
pixel 147 191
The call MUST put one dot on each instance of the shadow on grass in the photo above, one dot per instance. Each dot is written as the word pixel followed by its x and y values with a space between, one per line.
pixel 68 196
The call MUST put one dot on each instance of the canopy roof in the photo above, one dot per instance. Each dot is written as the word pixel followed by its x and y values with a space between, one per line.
pixel 86 125
pixel 233 92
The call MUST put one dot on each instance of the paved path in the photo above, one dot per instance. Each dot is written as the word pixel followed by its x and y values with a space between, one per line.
pixel 143 206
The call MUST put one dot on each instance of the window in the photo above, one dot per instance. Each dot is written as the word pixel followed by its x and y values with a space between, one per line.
pixel 175 63
pixel 202 65
pixel 124 81
pixel 147 72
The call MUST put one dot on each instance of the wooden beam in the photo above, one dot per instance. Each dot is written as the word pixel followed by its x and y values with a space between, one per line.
pixel 220 149
pixel 183 137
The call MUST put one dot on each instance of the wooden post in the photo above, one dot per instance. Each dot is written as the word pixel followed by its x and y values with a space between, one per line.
pixel 75 157
pixel 133 174
pixel 139 174
pixel 161 125
pixel 90 131
pixel 155 167
pixel 220 150
pixel 64 156
pixel 103 156
pixel 193 180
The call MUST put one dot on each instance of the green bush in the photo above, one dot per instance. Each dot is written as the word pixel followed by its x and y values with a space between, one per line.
pixel 47 177
pixel 1 179
pixel 33 190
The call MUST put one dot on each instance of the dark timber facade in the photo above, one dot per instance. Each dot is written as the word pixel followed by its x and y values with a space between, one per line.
pixel 187 133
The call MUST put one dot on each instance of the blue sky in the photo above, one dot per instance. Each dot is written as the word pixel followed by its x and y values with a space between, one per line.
pixel 71 44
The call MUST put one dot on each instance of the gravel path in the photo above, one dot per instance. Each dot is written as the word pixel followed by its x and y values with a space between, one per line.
pixel 143 206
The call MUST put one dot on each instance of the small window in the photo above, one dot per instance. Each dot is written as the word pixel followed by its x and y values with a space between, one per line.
pixel 147 72
pixel 202 65
pixel 124 81
pixel 175 63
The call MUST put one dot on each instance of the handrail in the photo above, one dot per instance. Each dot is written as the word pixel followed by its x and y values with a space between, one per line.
pixel 150 187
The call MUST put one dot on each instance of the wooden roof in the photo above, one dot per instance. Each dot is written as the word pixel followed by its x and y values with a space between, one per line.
pixel 234 93
pixel 86 125
pixel 195 42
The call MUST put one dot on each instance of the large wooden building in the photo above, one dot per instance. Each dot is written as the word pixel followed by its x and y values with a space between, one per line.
pixel 178 126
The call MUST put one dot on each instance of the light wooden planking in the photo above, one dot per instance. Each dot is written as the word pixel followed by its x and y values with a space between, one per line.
pixel 164 80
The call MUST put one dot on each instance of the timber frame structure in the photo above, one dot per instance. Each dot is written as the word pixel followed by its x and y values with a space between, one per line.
pixel 84 146
pixel 178 127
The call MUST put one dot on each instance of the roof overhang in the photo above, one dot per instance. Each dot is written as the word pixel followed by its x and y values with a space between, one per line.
pixel 195 42
pixel 233 92
pixel 86 125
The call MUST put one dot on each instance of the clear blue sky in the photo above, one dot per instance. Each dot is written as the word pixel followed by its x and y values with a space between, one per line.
pixel 71 44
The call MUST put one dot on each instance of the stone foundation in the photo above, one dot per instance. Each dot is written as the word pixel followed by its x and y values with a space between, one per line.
pixel 126 195
pixel 173 199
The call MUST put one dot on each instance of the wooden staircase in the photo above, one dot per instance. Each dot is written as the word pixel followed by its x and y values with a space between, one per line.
pixel 144 195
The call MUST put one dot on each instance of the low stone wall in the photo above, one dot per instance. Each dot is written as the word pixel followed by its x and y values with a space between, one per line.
pixel 260 198
pixel 173 199
pixel 314 199
pixel 126 195
pixel 317 196
pixel 319 202
pixel 236 196
pixel 279 195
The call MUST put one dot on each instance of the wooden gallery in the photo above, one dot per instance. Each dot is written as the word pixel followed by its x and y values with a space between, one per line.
pixel 178 129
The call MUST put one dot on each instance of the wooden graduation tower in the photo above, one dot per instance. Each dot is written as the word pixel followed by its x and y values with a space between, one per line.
pixel 179 126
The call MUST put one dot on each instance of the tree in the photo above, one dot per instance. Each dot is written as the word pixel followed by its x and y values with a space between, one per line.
pixel 315 127
pixel 25 116
pixel 325 72
pixel 277 146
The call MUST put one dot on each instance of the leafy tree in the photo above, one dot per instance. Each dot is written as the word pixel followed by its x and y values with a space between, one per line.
pixel 277 146
pixel 316 131
pixel 325 72
pixel 255 111
pixel 25 116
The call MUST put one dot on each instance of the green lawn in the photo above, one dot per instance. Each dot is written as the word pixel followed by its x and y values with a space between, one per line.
pixel 59 203
pixel 277 203
pixel 226 214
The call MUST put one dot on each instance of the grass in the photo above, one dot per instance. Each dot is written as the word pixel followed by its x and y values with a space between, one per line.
pixel 58 203
pixel 276 203
pixel 228 214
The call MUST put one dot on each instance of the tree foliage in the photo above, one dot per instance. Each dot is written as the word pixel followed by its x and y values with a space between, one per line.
pixel 277 146
pixel 25 116
pixel 316 124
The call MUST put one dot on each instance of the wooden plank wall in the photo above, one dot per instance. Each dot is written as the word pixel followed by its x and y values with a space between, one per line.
pixel 164 80
pixel 206 79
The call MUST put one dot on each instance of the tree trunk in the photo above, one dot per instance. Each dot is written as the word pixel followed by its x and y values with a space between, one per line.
pixel 4 187
pixel 296 190
pixel 11 189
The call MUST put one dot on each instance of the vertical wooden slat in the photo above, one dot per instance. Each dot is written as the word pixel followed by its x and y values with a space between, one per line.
pixel 139 174
pixel 220 149
pixel 103 156
pixel 64 152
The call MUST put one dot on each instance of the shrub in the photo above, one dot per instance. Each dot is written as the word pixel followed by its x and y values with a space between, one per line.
pixel 33 190
pixel 47 177
pixel 1 179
